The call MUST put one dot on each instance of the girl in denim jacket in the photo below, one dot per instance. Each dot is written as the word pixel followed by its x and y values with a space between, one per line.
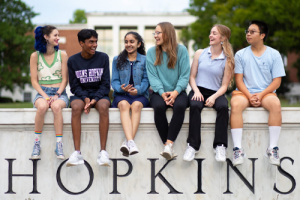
pixel 130 84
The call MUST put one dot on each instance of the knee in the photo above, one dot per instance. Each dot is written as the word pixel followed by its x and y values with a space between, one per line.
pixel 103 109
pixel 159 106
pixel 136 107
pixel 276 107
pixel 42 108
pixel 56 108
pixel 179 107
pixel 222 107
pixel 195 105
pixel 236 106
pixel 76 109
pixel 123 106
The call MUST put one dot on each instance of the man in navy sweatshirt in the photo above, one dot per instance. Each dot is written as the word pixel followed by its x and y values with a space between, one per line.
pixel 90 83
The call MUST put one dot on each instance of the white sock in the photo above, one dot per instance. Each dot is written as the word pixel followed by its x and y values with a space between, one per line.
pixel 237 134
pixel 274 132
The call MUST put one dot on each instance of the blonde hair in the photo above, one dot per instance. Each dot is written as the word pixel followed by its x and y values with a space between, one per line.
pixel 227 49
pixel 170 42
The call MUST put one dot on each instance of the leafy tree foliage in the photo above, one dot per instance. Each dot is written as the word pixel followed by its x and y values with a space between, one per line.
pixel 16 43
pixel 78 17
pixel 282 17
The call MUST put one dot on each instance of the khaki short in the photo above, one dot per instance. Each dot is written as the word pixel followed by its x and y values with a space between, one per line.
pixel 239 93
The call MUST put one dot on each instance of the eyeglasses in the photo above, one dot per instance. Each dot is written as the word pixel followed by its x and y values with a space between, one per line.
pixel 157 33
pixel 251 32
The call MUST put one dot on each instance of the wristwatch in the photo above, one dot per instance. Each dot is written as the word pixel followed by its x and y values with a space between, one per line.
pixel 58 94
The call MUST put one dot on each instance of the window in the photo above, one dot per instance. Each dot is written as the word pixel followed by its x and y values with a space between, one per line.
pixel 105 40
pixel 27 96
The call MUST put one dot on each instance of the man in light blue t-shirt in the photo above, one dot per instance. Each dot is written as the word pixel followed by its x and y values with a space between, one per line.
pixel 258 72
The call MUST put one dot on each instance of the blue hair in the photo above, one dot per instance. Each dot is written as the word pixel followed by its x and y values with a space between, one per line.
pixel 40 42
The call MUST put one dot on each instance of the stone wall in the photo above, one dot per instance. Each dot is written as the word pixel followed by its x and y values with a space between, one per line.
pixel 203 176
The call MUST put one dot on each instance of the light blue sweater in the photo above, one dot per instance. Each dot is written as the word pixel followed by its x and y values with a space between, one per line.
pixel 163 79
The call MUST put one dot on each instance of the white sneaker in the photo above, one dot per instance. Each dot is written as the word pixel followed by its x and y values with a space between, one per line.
pixel 220 153
pixel 168 152
pixel 103 158
pixel 273 155
pixel 75 159
pixel 124 149
pixel 238 156
pixel 189 154
pixel 132 147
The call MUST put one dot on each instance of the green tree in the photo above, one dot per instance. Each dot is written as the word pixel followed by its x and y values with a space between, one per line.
pixel 79 17
pixel 282 17
pixel 16 43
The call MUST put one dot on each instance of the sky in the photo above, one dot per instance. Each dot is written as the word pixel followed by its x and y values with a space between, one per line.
pixel 61 11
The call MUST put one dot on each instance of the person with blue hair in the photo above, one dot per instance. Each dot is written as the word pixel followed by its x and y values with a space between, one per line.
pixel 49 76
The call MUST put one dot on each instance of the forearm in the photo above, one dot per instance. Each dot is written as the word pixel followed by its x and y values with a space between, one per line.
pixel 38 88
pixel 193 84
pixel 62 86
pixel 220 91
pixel 273 86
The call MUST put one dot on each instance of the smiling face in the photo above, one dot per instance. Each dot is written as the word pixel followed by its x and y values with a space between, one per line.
pixel 53 37
pixel 158 36
pixel 215 37
pixel 256 36
pixel 89 46
pixel 131 44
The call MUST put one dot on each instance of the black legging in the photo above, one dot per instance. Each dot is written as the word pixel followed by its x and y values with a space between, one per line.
pixel 165 131
pixel 221 106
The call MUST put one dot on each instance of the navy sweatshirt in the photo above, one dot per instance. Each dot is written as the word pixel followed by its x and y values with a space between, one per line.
pixel 88 76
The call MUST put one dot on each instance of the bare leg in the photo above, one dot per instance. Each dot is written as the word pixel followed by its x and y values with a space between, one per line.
pixel 272 104
pixel 238 105
pixel 124 107
pixel 102 106
pixel 136 109
pixel 77 108
pixel 57 107
pixel 42 106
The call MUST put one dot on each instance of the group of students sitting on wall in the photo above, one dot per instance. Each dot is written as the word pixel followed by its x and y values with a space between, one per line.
pixel 166 68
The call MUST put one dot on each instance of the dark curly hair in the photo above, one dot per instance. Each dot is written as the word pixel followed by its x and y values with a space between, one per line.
pixel 122 58
pixel 86 34
pixel 40 42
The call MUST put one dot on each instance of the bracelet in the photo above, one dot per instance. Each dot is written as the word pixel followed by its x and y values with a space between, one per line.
pixel 47 99
pixel 58 94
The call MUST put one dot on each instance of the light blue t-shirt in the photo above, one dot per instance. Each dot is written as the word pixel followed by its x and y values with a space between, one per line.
pixel 258 72
pixel 210 72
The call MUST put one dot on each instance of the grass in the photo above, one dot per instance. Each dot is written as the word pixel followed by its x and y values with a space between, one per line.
pixel 284 103
pixel 16 105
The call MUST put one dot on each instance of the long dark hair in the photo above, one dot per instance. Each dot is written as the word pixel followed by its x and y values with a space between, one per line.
pixel 122 58
pixel 40 42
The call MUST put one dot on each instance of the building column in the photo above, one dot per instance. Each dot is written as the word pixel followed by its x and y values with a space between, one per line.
pixel 141 30
pixel 116 34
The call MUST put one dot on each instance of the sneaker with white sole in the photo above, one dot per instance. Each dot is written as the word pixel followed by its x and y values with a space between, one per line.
pixel 189 154
pixel 124 149
pixel 59 150
pixel 220 152
pixel 168 152
pixel 273 155
pixel 36 150
pixel 132 147
pixel 103 158
pixel 75 159
pixel 238 156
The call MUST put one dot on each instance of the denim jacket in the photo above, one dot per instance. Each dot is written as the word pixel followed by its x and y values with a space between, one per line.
pixel 122 76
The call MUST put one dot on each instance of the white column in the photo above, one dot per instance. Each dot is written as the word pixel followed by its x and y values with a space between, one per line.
pixel 141 30
pixel 116 34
